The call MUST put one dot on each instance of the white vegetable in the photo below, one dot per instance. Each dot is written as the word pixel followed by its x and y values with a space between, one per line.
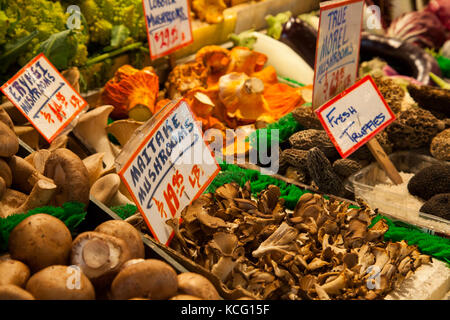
pixel 286 61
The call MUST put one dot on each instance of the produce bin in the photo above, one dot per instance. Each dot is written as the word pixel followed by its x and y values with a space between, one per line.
pixel 395 204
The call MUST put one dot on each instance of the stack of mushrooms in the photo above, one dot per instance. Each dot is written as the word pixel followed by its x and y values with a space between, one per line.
pixel 321 250
pixel 44 263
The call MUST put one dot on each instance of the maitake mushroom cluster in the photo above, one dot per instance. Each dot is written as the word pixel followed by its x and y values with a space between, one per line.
pixel 321 250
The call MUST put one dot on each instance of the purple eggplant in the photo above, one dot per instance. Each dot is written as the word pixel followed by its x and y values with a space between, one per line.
pixel 301 37
pixel 406 58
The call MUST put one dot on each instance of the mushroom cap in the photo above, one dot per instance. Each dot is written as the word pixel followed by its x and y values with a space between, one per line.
pixel 94 166
pixel 70 175
pixel 152 279
pixel 194 284
pixel 99 255
pixel 14 272
pixel 39 241
pixel 430 181
pixel 13 292
pixel 125 231
pixel 5 173
pixel 185 297
pixel 105 188
pixel 60 283
pixel 9 143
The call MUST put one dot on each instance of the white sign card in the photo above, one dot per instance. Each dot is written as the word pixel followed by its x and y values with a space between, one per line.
pixel 168 26
pixel 44 97
pixel 355 116
pixel 337 48
pixel 170 168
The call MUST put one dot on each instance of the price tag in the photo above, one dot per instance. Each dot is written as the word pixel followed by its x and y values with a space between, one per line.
pixel 337 48
pixel 168 26
pixel 355 116
pixel 170 168
pixel 44 97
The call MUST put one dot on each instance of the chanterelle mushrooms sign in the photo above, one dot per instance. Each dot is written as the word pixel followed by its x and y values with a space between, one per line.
pixel 170 167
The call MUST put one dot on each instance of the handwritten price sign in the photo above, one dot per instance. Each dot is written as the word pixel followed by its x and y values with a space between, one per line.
pixel 168 26
pixel 355 116
pixel 337 48
pixel 44 97
pixel 170 168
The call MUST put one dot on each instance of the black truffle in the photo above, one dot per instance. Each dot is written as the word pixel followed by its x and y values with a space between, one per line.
pixel 438 205
pixel 430 181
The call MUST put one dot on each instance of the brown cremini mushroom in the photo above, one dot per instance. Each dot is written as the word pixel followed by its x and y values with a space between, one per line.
pixel 126 232
pixel 14 272
pixel 69 174
pixel 194 284
pixel 60 283
pixel 39 241
pixel 13 292
pixel 153 279
pixel 9 143
pixel 99 256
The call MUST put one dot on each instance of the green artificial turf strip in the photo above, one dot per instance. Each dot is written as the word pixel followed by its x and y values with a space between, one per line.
pixel 432 245
pixel 71 213
pixel 258 182
pixel 286 125
pixel 124 211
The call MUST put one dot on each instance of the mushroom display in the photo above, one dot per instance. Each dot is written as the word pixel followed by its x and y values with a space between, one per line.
pixel 321 250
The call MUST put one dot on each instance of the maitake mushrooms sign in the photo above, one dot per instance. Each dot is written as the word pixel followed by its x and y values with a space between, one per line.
pixel 168 26
pixel 44 97
pixel 169 169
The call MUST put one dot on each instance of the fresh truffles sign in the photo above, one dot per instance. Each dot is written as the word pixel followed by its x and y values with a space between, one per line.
pixel 169 169
pixel 44 97
pixel 337 48
pixel 168 26
pixel 355 116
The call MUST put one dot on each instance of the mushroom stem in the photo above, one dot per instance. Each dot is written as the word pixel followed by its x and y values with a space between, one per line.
pixel 41 194
pixel 91 130
pixel 25 176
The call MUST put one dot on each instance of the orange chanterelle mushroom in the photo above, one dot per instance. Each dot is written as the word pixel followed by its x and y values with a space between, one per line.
pixel 132 92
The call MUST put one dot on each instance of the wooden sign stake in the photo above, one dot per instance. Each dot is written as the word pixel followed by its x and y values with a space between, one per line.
pixel 384 161
pixel 172 61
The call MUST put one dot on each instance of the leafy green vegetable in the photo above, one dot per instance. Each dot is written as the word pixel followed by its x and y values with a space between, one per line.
pixel 119 35
pixel 13 49
pixel 439 81
pixel 244 39
pixel 59 49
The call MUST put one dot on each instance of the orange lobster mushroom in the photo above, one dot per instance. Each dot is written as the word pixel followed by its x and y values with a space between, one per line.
pixel 132 92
